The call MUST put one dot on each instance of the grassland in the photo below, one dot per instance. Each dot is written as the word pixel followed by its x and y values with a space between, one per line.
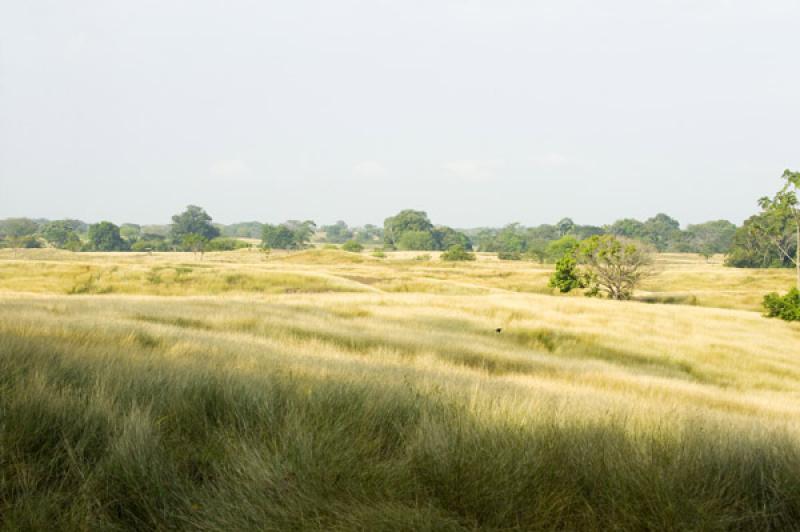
pixel 331 391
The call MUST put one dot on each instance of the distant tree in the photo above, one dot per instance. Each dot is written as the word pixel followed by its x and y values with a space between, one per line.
pixel 353 246
pixel 537 249
pixel 302 232
pixel 751 249
pixel 565 226
pixel 337 233
pixel 485 239
pixel 511 238
pixel 104 236
pixel 194 220
pixel 242 230
pixel 225 244
pixel 628 228
pixel 563 247
pixel 446 237
pixel 457 253
pixel 405 221
pixel 567 276
pixel 60 234
pixel 711 237
pixel 195 243
pixel 278 237
pixel 661 231
pixel 417 241
pixel 582 232
pixel 18 232
pixel 368 233
pixel 614 266
pixel 130 232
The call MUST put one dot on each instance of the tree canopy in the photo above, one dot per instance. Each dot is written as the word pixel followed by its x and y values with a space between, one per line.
pixel 194 220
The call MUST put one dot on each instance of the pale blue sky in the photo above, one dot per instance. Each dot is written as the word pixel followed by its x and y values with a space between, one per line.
pixel 479 112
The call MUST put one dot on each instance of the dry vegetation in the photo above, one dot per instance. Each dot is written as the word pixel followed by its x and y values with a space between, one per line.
pixel 331 391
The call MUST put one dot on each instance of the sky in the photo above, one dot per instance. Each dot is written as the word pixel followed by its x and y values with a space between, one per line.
pixel 480 113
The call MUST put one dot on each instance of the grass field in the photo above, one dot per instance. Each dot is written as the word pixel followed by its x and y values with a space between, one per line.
pixel 323 390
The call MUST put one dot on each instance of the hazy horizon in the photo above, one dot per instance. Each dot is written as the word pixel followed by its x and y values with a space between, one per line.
pixel 479 113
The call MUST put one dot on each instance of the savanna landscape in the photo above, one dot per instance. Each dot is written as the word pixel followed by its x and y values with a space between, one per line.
pixel 332 390
pixel 399 266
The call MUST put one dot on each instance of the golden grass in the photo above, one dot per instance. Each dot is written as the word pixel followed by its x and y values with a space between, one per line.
pixel 333 324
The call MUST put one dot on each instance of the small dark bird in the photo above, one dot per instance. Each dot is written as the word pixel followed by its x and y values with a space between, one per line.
pixel 498 330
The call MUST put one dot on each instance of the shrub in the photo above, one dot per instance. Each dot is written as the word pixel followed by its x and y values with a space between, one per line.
pixel 457 253
pixel 423 257
pixel 567 277
pixel 353 246
pixel 784 307
pixel 225 244
pixel 379 254
pixel 509 255
pixel 150 245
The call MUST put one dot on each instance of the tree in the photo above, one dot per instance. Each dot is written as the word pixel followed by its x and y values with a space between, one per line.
pixel 565 226
pixel 628 228
pixel 130 232
pixel 195 243
pixel 338 232
pixel 446 237
pixel 105 236
pixel 19 230
pixel 713 237
pixel 511 238
pixel 614 266
pixel 750 249
pixel 416 240
pixel 781 215
pixel 278 237
pixel 302 231
pixel 407 220
pixel 662 231
pixel 457 253
pixel 567 276
pixel 563 247
pixel 60 234
pixel 784 307
pixel 194 220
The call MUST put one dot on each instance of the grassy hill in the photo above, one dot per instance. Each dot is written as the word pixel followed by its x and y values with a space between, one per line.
pixel 315 392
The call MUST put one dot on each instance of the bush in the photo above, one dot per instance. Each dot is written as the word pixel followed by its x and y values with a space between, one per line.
pixel 457 253
pixel 424 257
pixel 379 254
pixel 150 245
pixel 567 277
pixel 784 307
pixel 509 255
pixel 353 246
pixel 225 244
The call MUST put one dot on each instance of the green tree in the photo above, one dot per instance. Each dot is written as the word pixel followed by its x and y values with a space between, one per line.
pixel 784 307
pixel 60 234
pixel 781 215
pixel 511 238
pixel 714 237
pixel 18 231
pixel 614 266
pixel 130 232
pixel 278 237
pixel 457 253
pixel 302 231
pixel 628 228
pixel 662 231
pixel 105 236
pixel 194 220
pixel 567 276
pixel 565 226
pixel 195 243
pixel 564 246
pixel 337 233
pixel 417 241
pixel 446 237
pixel 405 221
